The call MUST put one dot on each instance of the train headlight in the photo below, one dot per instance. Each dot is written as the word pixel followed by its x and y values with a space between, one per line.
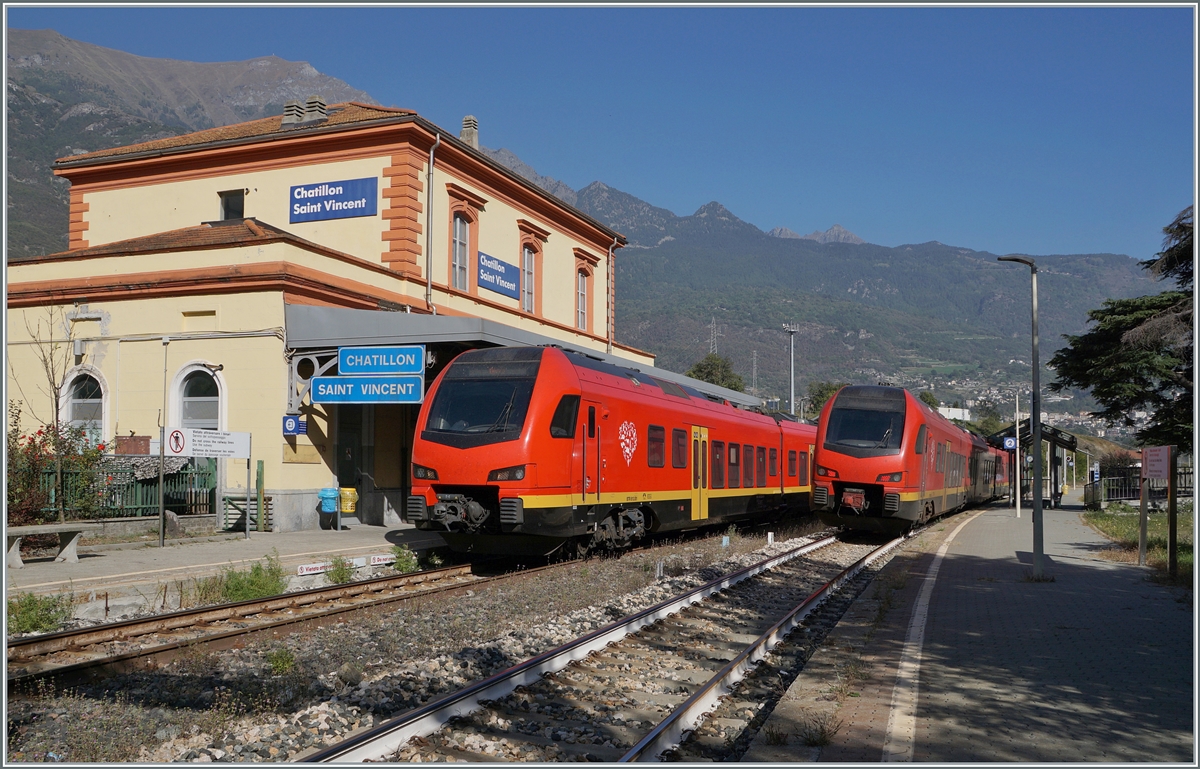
pixel 890 478
pixel 424 473
pixel 826 472
pixel 514 473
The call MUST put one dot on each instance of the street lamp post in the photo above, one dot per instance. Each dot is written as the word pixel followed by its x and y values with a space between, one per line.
pixel 791 329
pixel 1035 422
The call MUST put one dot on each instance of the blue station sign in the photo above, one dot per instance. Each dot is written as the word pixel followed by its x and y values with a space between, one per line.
pixel 498 276
pixel 368 389
pixel 334 200
pixel 294 425
pixel 398 359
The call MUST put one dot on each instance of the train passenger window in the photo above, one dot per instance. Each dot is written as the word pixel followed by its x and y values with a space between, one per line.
pixel 735 471
pixel 760 461
pixel 747 466
pixel 940 461
pixel 791 464
pixel 656 446
pixel 679 442
pixel 718 464
pixel 922 436
pixel 563 423
pixel 773 462
pixel 803 468
pixel 591 421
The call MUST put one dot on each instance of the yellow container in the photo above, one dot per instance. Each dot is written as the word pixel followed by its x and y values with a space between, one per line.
pixel 348 499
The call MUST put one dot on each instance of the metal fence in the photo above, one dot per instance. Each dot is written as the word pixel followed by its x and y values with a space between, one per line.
pixel 1124 485
pixel 116 492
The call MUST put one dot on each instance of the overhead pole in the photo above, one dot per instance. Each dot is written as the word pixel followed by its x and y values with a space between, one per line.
pixel 791 329
pixel 1035 421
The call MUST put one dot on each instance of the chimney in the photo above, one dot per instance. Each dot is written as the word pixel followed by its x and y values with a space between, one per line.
pixel 293 112
pixel 470 131
pixel 314 109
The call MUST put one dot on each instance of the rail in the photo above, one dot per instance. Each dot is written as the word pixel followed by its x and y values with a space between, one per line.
pixel 1124 485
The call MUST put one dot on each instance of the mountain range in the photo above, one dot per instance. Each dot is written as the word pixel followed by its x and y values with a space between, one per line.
pixel 685 284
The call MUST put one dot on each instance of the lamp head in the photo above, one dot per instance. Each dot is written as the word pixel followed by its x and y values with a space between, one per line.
pixel 1022 259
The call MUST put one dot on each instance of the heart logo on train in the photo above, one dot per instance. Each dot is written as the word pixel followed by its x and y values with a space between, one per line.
pixel 628 436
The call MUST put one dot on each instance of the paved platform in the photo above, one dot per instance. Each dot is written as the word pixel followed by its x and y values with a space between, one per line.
pixel 142 569
pixel 1097 665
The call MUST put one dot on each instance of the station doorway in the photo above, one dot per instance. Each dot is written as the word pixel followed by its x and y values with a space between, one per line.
pixel 374 452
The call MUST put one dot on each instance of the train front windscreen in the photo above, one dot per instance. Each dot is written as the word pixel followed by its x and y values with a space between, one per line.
pixel 866 421
pixel 483 398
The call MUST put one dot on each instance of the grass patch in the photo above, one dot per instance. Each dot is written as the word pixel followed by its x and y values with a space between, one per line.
pixel 818 729
pixel 31 613
pixel 406 560
pixel 281 661
pixel 261 580
pixel 1121 524
pixel 774 736
pixel 340 571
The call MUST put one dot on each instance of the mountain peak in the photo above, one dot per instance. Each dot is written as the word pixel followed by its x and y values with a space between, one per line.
pixel 835 234
pixel 783 232
pixel 715 210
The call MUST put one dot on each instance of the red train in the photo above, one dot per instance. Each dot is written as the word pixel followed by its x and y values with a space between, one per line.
pixel 885 462
pixel 531 450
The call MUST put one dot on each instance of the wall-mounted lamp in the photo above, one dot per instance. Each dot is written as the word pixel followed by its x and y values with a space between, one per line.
pixel 214 367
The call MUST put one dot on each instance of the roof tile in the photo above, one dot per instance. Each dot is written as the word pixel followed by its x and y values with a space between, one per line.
pixel 339 114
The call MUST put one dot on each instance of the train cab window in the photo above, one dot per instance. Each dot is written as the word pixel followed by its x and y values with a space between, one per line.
pixel 735 470
pixel 747 466
pixel 679 450
pixel 791 464
pixel 563 423
pixel 718 464
pixel 760 462
pixel 656 446
pixel 803 468
pixel 922 436
pixel 773 463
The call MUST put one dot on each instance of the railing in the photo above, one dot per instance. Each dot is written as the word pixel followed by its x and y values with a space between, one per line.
pixel 1124 485
pixel 116 493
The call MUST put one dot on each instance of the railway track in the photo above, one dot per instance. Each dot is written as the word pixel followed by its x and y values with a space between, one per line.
pixel 631 690
pixel 153 641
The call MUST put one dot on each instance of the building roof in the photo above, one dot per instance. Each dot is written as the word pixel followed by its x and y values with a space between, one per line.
pixel 340 116
pixel 229 232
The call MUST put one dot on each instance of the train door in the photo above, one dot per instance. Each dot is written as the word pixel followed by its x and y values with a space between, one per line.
pixel 699 473
pixel 928 461
pixel 591 460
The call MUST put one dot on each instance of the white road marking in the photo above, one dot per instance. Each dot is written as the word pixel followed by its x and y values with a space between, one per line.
pixel 900 740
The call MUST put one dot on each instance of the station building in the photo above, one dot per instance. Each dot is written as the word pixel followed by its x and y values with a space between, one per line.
pixel 209 277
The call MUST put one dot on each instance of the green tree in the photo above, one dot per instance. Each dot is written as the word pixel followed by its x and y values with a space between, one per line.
pixel 717 370
pixel 819 393
pixel 987 418
pixel 929 399
pixel 1138 354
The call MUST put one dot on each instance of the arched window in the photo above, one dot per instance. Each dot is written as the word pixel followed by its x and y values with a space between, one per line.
pixel 581 300
pixel 201 401
pixel 86 406
pixel 460 255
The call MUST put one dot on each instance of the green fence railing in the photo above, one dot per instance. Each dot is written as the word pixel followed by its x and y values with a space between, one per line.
pixel 116 492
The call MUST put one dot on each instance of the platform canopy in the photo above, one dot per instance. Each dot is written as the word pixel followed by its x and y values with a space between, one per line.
pixel 310 328
pixel 1052 435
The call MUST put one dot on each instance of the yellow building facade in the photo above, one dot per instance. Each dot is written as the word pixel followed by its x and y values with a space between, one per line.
pixel 210 276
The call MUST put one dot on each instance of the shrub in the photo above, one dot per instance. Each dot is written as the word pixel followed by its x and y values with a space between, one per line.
pixel 262 580
pixel 341 571
pixel 31 456
pixel 31 613
pixel 406 560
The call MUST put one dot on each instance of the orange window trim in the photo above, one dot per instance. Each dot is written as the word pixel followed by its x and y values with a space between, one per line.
pixel 532 237
pixel 469 205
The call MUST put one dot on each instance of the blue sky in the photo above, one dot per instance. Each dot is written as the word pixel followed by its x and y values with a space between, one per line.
pixel 1032 130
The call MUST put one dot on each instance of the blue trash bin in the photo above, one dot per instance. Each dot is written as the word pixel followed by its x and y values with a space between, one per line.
pixel 329 500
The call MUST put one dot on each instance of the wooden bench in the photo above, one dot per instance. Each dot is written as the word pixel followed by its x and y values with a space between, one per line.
pixel 69 535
